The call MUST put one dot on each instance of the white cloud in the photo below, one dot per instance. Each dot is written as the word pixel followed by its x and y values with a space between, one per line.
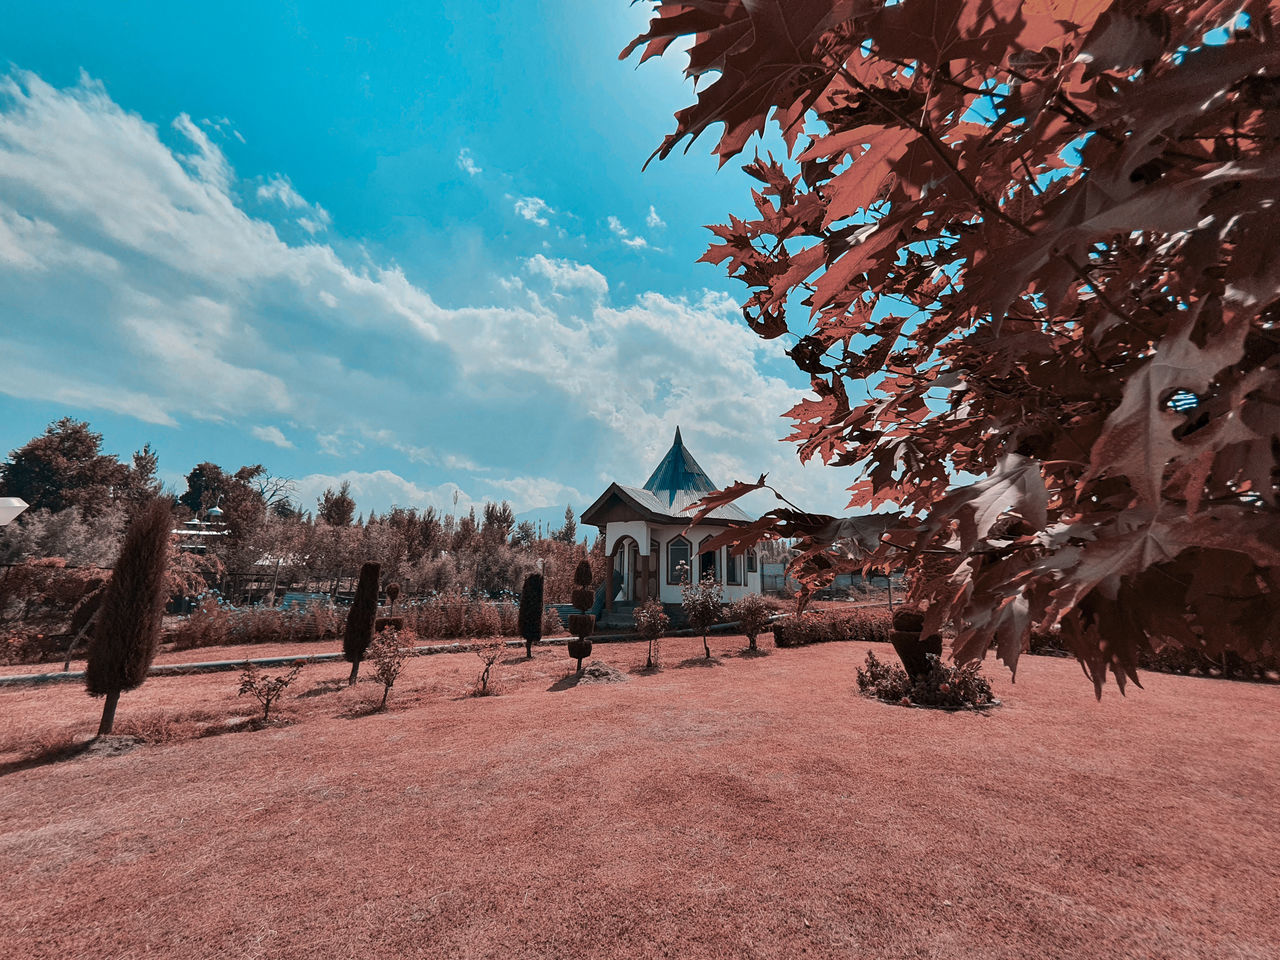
pixel 569 275
pixel 533 210
pixel 146 289
pixel 533 492
pixel 383 489
pixel 654 221
pixel 338 444
pixel 272 434
pixel 281 191
pixel 623 234
pixel 467 163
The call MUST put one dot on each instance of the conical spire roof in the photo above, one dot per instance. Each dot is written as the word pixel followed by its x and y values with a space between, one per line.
pixel 678 473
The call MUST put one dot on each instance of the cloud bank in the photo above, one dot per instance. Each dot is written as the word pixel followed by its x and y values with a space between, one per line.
pixel 140 283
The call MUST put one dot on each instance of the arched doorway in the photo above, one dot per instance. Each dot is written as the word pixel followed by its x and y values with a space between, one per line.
pixel 626 561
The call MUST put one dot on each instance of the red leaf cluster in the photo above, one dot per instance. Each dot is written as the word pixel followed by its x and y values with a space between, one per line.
pixel 1039 238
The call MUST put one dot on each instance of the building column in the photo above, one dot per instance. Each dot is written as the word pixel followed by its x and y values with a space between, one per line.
pixel 608 587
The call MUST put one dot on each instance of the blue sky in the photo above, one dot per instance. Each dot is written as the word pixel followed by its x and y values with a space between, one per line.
pixel 406 245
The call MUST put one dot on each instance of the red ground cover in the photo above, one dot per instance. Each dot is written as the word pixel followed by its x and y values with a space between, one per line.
pixel 756 807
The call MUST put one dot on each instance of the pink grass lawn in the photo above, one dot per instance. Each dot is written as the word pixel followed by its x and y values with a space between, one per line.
pixel 756 807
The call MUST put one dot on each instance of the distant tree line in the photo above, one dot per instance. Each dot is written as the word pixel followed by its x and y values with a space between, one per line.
pixel 82 500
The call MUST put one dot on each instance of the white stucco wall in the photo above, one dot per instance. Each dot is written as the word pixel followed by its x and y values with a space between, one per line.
pixel 654 537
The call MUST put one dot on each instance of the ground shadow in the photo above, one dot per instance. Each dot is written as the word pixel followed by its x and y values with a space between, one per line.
pixel 699 661
pixel 43 758
pixel 749 654
pixel 323 687
pixel 515 661
pixel 565 683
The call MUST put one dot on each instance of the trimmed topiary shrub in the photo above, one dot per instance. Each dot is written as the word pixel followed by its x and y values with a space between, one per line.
pixel 865 624
pixel 127 630
pixel 531 615
pixel 582 624
pixel 360 619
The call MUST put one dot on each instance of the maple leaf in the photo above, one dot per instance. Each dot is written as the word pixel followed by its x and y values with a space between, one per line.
pixel 1016 487
pixel 1137 441
pixel 764 52
pixel 720 498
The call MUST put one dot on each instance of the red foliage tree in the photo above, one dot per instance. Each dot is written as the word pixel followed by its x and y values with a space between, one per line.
pixel 1035 244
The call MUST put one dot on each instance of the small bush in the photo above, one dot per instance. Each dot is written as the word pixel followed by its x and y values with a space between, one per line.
pixel 945 685
pixel 266 690
pixel 489 652
pixel 426 620
pixel 508 619
pixel 387 655
pixel 552 625
pixel 484 620
pixel 703 606
pixel 752 614
pixel 453 616
pixel 651 623
pixel 209 625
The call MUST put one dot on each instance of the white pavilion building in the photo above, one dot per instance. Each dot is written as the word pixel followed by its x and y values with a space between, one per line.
pixel 644 533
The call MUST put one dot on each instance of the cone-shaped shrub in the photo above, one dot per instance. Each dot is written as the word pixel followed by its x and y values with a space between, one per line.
pixel 128 627
pixel 531 612
pixel 364 610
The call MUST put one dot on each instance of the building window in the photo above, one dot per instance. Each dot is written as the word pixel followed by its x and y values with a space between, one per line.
pixel 707 561
pixel 678 552
pixel 751 561
pixel 733 568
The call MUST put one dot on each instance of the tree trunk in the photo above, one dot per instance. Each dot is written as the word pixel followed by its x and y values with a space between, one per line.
pixel 383 704
pixel 580 659
pixel 275 582
pixel 109 713
pixel 355 671
pixel 66 665
pixel 705 646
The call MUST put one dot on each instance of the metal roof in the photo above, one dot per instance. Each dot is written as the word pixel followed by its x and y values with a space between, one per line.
pixel 675 505
pixel 678 473
pixel 677 482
